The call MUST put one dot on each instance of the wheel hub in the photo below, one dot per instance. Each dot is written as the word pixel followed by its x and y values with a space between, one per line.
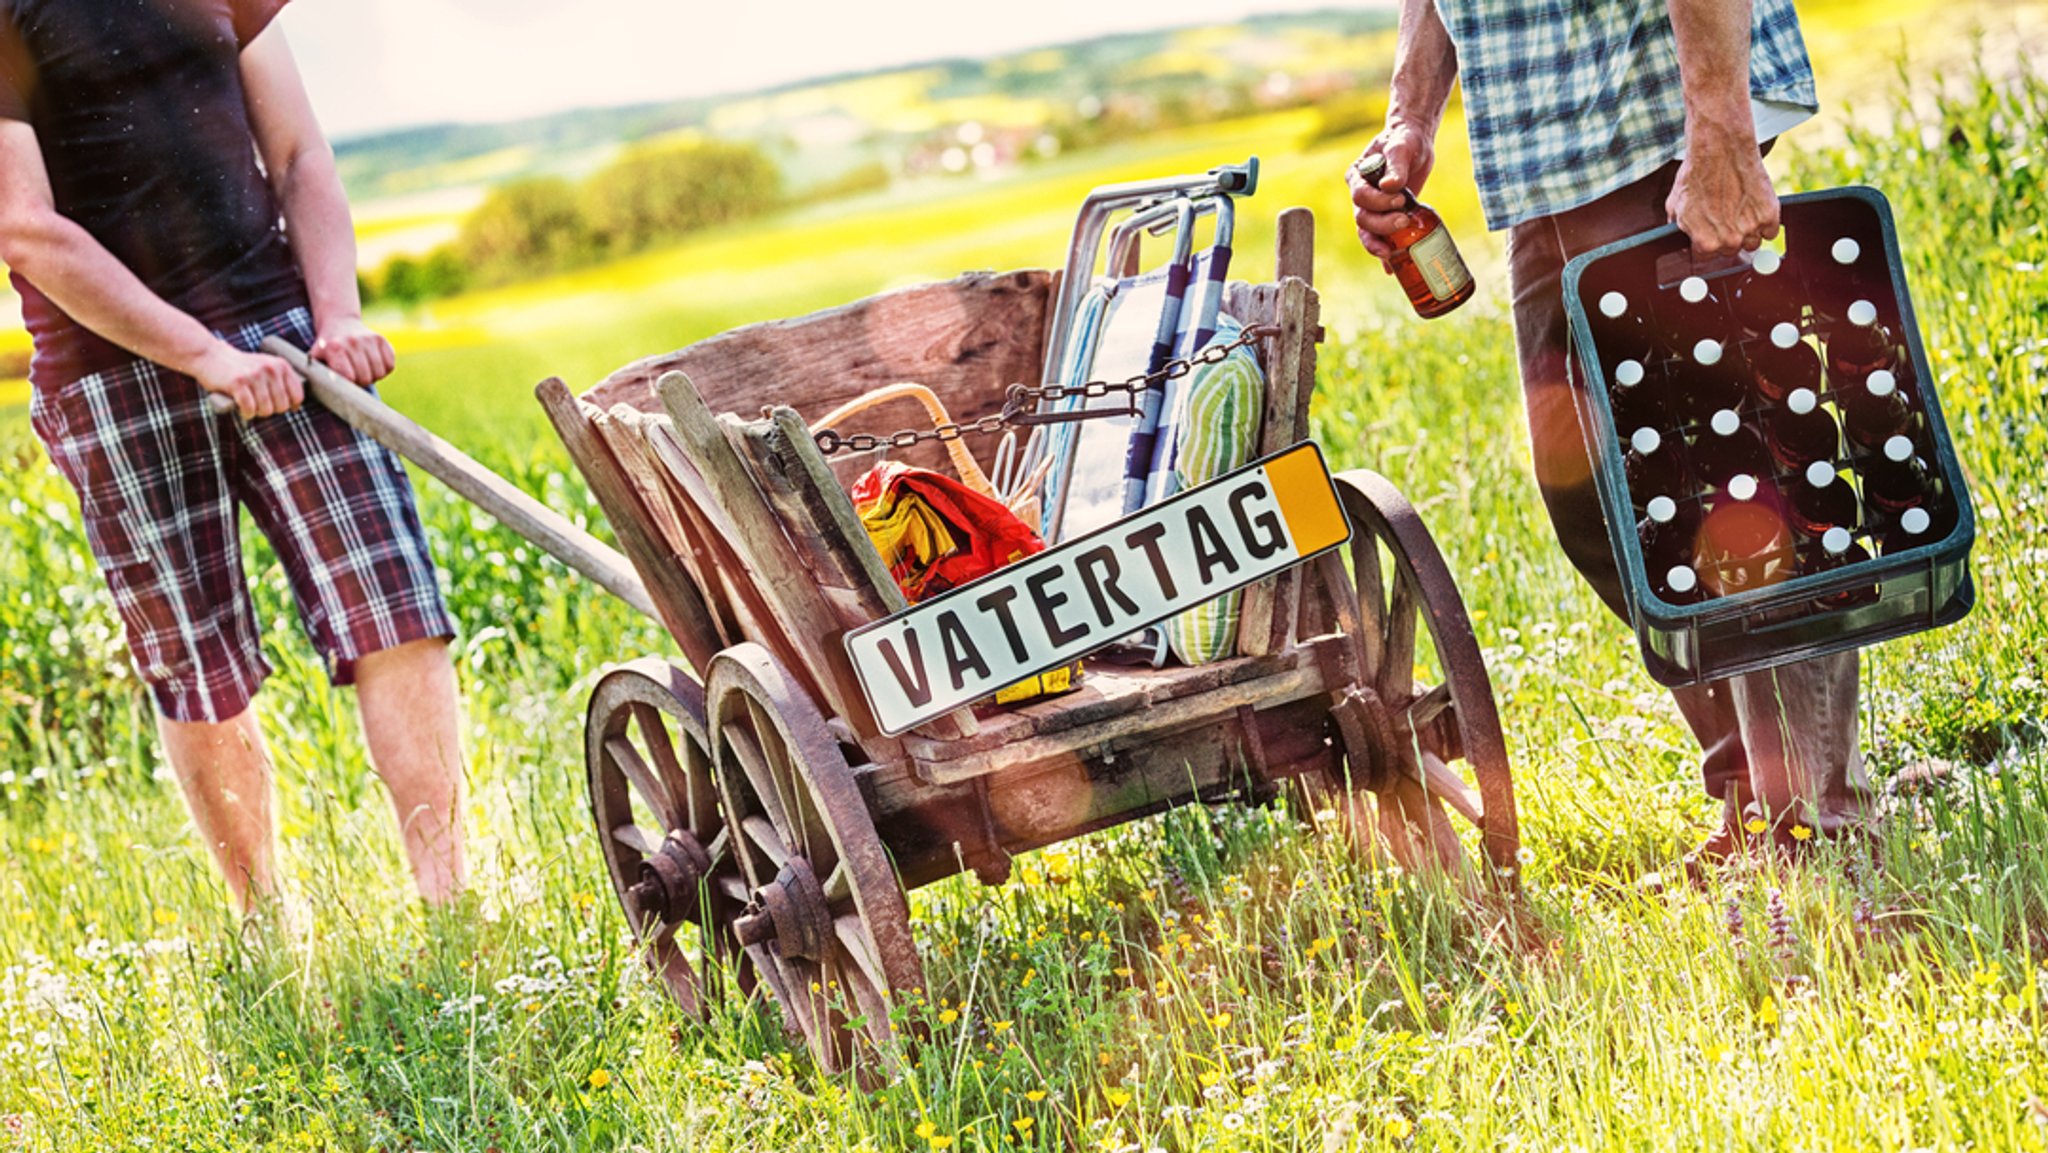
pixel 669 878
pixel 1368 730
pixel 790 914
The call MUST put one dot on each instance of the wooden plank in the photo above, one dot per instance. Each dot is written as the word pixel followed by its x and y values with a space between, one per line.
pixel 777 566
pixel 667 517
pixel 679 605
pixel 966 339
pixel 1295 246
pixel 793 477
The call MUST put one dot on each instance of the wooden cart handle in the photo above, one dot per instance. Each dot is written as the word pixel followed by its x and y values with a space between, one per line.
pixel 505 501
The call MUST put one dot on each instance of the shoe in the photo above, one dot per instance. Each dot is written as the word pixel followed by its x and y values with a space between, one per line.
pixel 1725 843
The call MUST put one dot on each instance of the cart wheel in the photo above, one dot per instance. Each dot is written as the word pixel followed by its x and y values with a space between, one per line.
pixel 658 825
pixel 828 928
pixel 1403 738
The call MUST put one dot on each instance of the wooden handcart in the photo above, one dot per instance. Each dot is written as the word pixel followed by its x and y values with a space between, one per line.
pixel 748 802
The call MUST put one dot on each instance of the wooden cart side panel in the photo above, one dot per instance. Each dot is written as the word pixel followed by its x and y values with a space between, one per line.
pixel 964 338
pixel 796 482
pixel 674 517
pixel 680 603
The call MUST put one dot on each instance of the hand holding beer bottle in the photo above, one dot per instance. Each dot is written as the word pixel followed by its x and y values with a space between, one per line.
pixel 1407 235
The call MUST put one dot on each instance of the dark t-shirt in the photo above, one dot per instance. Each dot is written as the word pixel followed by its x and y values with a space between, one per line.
pixel 138 107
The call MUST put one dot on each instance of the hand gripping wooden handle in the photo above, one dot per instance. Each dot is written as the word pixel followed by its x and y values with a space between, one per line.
pixel 510 505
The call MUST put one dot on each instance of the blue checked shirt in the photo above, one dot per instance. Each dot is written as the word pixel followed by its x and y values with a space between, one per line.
pixel 1568 100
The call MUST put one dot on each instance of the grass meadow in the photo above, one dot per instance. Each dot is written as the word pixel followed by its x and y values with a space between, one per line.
pixel 1205 980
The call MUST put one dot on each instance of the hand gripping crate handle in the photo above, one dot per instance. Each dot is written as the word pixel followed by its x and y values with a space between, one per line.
pixel 540 525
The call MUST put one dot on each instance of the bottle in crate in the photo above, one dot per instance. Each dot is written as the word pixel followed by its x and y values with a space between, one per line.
pixel 1844 276
pixel 1837 549
pixel 1639 399
pixel 1801 432
pixel 1626 331
pixel 1766 296
pixel 1655 466
pixel 1784 364
pixel 1819 501
pixel 1745 542
pixel 1730 448
pixel 1860 345
pixel 1669 531
pixel 1694 311
pixel 1874 410
pixel 1708 381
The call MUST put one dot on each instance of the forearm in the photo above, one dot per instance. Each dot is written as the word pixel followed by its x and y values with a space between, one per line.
pixel 95 289
pixel 322 236
pixel 1425 67
pixel 1713 67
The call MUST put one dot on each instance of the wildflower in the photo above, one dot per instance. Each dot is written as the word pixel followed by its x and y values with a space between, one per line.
pixel 1220 1021
pixel 1767 1014
pixel 166 917
pixel 1801 833
pixel 999 1026
pixel 1756 825
pixel 1399 1128
pixel 1022 1124
pixel 1118 1098
pixel 599 1078
pixel 1034 1095
pixel 948 1016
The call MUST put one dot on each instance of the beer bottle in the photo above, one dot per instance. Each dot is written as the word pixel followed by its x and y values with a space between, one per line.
pixel 1860 346
pixel 1743 545
pixel 1843 278
pixel 1637 401
pixel 1623 329
pixel 1667 532
pixel 1708 381
pixel 1897 481
pixel 1822 501
pixel 1874 410
pixel 1801 432
pixel 1765 296
pixel 1655 466
pixel 1693 313
pixel 1425 258
pixel 1730 448
pixel 1838 549
pixel 1784 364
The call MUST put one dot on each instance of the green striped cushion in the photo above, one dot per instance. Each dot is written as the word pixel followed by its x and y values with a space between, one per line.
pixel 1217 431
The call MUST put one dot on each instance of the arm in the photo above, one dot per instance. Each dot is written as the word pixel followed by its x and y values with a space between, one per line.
pixel 1425 67
pixel 95 289
pixel 309 192
pixel 1722 198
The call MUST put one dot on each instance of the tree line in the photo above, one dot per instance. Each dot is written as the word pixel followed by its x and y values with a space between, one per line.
pixel 649 195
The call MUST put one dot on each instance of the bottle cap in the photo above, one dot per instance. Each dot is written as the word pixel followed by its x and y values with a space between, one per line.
pixel 1682 579
pixel 1743 487
pixel 1820 473
pixel 1899 449
pixel 1881 383
pixel 1693 289
pixel 1915 521
pixel 1847 250
pixel 1372 167
pixel 1725 422
pixel 1785 334
pixel 1612 305
pixel 1836 540
pixel 1707 352
pixel 1766 261
pixel 1628 373
pixel 1646 440
pixel 1662 509
pixel 1863 314
pixel 1802 401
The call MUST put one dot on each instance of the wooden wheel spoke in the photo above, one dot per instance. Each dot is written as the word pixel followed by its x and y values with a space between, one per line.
pixel 1449 787
pixel 838 884
pixel 762 833
pixel 659 741
pixel 754 765
pixel 636 838
pixel 1425 709
pixel 800 815
pixel 651 788
pixel 1396 681
pixel 1372 603
pixel 853 937
pixel 734 886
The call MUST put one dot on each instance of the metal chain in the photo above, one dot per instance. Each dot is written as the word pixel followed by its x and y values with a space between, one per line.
pixel 1021 402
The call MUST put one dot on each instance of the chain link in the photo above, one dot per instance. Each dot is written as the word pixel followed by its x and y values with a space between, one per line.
pixel 1022 401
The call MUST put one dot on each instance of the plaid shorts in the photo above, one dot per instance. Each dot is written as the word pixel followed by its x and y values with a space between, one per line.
pixel 161 478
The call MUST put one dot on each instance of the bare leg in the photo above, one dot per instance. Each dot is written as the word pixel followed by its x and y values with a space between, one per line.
pixel 224 771
pixel 412 723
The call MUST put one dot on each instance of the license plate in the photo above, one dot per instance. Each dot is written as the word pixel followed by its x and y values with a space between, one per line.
pixel 1048 610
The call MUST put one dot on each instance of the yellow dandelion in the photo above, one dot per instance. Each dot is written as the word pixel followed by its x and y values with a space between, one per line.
pixel 999 1026
pixel 166 917
pixel 948 1016
pixel 1034 1095
pixel 1767 1014
pixel 1118 1098
pixel 938 1142
pixel 1801 833
pixel 1220 1021
pixel 1023 1124
pixel 1210 1078
pixel 1757 825
pixel 1122 972
pixel 1399 1128
pixel 599 1078
pixel 925 1130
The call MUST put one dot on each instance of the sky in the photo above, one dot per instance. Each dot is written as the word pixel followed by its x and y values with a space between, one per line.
pixel 378 64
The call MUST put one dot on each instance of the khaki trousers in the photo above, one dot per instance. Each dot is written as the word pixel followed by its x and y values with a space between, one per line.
pixel 1780 745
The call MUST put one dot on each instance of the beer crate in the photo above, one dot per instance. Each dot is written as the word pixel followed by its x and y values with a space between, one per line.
pixel 1831 280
